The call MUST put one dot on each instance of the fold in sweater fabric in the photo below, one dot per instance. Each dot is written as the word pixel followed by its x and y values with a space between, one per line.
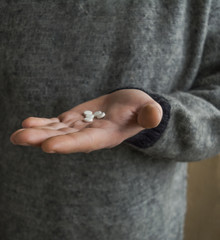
pixel 55 55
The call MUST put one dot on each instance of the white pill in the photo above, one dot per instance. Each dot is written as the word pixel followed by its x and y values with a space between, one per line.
pixel 97 113
pixel 101 115
pixel 90 116
pixel 87 112
pixel 87 119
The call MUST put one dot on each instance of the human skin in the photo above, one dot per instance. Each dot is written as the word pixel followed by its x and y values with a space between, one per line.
pixel 128 111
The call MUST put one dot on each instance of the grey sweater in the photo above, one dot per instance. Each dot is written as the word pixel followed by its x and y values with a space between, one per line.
pixel 57 54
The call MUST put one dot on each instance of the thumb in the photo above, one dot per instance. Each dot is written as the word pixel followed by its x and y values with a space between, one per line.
pixel 150 115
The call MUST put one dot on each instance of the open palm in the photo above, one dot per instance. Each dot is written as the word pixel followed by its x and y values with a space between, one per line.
pixel 128 111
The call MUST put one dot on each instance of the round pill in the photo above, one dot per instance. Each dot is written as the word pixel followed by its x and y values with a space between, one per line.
pixel 87 112
pixel 90 116
pixel 101 115
pixel 97 113
pixel 88 119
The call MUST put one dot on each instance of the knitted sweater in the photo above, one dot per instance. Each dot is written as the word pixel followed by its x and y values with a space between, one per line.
pixel 55 55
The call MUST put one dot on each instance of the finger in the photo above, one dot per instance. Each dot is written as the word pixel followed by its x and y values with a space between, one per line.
pixel 34 136
pixel 53 126
pixel 70 116
pixel 13 135
pixel 86 140
pixel 36 121
pixel 150 115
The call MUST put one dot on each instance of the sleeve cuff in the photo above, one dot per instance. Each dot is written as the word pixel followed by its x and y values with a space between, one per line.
pixel 147 137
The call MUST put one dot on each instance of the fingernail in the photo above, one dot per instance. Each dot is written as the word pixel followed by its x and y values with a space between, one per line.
pixel 24 144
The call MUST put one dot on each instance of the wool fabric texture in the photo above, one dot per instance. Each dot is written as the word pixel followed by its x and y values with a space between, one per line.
pixel 55 55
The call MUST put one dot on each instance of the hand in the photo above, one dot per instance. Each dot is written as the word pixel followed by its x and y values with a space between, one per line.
pixel 128 111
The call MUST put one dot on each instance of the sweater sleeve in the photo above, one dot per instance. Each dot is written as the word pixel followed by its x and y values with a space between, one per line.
pixel 190 128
